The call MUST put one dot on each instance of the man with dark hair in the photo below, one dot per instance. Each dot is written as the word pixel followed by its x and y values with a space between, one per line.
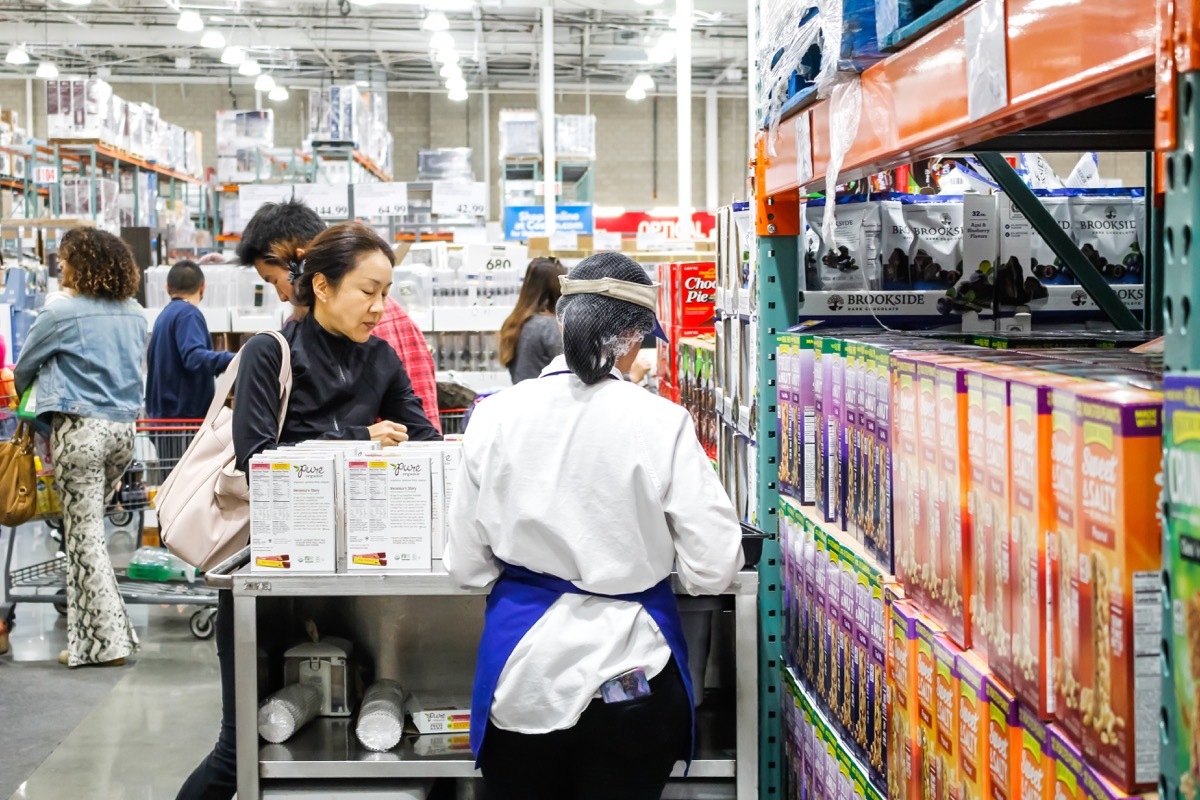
pixel 293 221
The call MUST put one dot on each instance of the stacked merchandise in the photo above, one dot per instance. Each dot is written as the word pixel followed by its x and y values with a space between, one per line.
pixel 96 199
pixel 349 115
pixel 86 109
pixel 242 136
pixel 686 302
pixel 520 135
pixel 697 390
pixel 1019 489
pixel 445 164
pixel 336 506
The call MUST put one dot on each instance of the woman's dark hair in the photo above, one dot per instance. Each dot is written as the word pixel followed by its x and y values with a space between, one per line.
pixel 101 264
pixel 333 253
pixel 539 293
pixel 598 330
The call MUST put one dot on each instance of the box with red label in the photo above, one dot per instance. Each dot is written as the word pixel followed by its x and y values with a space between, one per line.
pixel 1120 481
pixel 687 295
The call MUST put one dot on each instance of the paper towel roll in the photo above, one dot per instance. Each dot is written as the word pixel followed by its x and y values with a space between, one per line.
pixel 381 718
pixel 287 711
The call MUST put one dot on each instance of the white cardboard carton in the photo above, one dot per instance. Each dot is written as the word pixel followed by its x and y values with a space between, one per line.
pixel 388 501
pixel 293 523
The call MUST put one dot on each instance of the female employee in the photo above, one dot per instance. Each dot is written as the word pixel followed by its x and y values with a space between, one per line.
pixel 578 494
pixel 530 337
pixel 344 381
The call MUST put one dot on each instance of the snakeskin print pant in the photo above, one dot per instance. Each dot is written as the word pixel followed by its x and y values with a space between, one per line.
pixel 90 456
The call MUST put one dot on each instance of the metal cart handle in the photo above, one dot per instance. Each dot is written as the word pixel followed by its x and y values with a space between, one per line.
pixel 221 576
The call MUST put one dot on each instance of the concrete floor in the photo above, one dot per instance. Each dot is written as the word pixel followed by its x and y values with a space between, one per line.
pixel 131 733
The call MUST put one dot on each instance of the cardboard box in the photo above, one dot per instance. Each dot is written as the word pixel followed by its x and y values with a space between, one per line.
pixel 1120 482
pixel 1004 740
pixel 927 632
pixel 821 365
pixel 872 638
pixel 389 512
pixel 906 507
pixel 293 527
pixel 881 541
pixel 803 387
pixel 1036 761
pixel 438 714
pixel 944 766
pixel 835 409
pixel 904 720
pixel 1068 766
pixel 929 522
pixel 1181 447
pixel 980 621
pixel 957 579
pixel 973 725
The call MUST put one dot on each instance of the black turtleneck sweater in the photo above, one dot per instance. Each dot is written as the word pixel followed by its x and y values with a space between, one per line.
pixel 339 389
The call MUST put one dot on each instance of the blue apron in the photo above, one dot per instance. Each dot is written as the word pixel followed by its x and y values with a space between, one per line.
pixel 519 598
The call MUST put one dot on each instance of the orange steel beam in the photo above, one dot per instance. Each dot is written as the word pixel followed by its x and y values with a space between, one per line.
pixel 1063 56
pixel 777 214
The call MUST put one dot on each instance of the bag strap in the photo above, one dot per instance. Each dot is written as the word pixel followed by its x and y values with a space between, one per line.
pixel 225 385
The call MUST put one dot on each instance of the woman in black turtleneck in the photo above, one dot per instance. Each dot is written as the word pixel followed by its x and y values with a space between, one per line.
pixel 346 384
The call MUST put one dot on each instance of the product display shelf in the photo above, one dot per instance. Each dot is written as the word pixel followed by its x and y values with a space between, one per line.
pixel 449 617
pixel 1061 57
pixel 97 153
pixel 844 539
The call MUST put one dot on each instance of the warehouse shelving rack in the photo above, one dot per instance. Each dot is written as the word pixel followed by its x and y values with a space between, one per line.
pixel 1078 76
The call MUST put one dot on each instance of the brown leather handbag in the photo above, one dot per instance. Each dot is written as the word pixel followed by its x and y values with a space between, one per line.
pixel 18 478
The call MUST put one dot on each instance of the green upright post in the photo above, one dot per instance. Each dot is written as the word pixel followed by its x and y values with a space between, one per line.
pixel 778 284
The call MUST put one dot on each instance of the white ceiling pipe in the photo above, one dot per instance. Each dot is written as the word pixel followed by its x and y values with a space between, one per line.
pixel 683 111
pixel 546 106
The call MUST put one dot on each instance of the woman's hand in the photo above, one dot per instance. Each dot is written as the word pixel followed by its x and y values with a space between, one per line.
pixel 388 433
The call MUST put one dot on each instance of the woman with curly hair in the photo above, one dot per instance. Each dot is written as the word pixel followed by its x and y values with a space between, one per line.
pixel 85 351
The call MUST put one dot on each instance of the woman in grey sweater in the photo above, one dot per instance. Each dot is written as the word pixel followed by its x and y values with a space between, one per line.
pixel 530 338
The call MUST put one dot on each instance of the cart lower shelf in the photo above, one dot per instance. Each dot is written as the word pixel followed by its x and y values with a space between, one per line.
pixel 328 749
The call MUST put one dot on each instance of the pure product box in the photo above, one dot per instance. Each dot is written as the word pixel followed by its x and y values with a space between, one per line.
pixel 973 725
pixel 436 714
pixel 388 513
pixel 293 527
pixel 1120 481
pixel 1004 741
pixel 1181 449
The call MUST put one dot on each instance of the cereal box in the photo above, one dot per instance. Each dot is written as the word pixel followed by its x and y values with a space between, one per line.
pixel 1097 787
pixel 835 395
pixel 879 539
pixel 826 645
pixel 906 464
pixel 1067 580
pixel 848 673
pixel 822 366
pixel 1068 766
pixel 852 501
pixel 1004 740
pixel 930 547
pixel 785 414
pixel 808 752
pixel 972 728
pixel 861 673
pixel 803 401
pixel 1036 768
pixel 980 621
pixel 1120 481
pixel 995 518
pixel 904 721
pixel 875 711
pixel 1181 442
pixel 946 712
pixel 955 589
pixel 927 707
pixel 813 611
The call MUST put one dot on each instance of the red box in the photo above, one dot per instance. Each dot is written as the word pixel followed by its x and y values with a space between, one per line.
pixel 687 296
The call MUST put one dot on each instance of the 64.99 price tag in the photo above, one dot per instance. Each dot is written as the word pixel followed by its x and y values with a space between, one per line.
pixel 381 200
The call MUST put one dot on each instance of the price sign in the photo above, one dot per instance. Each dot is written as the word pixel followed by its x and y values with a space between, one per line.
pixel 564 240
pixel 328 200
pixel 460 199
pixel 604 242
pixel 381 200
pixel 484 259
pixel 253 196
pixel 45 174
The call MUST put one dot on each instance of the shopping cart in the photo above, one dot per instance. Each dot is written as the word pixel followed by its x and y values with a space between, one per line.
pixel 158 446
pixel 453 420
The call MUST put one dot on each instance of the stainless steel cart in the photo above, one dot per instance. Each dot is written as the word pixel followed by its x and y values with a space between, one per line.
pixel 425 628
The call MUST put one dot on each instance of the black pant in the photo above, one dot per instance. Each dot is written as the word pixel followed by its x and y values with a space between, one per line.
pixel 216 777
pixel 617 751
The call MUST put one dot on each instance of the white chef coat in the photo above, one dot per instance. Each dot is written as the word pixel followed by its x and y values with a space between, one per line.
pixel 605 486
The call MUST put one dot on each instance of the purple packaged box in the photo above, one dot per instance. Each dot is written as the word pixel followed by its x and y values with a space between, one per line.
pixel 847 570
pixel 821 366
pixel 835 396
pixel 785 427
pixel 806 418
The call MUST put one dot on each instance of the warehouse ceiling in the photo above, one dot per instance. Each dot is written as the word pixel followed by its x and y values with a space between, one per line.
pixel 598 43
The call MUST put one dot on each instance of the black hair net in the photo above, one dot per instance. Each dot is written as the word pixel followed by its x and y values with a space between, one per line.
pixel 598 330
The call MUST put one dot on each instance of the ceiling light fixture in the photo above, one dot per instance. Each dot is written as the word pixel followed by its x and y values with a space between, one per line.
pixel 190 22
pixel 458 95
pixel 78 2
pixel 278 94
pixel 442 40
pixel 233 55
pixel 213 40
pixel 664 50
pixel 265 83
pixel 458 84
pixel 47 70
pixel 435 21
pixel 183 63
pixel 451 70
pixel 216 19
pixel 249 68
pixel 644 82
pixel 17 56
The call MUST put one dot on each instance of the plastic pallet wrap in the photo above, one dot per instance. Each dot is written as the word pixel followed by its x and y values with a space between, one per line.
pixel 575 136
pixel 803 47
pixel 445 164
pixel 287 711
pixel 381 718
pixel 520 135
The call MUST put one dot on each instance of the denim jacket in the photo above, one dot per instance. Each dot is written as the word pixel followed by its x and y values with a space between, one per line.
pixel 86 355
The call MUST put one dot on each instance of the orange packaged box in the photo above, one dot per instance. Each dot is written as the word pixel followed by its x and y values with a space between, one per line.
pixel 927 632
pixel 906 506
pixel 1120 440
pixel 946 711
pixel 903 721
pixel 1036 765
pixel 931 523
pixel 972 727
pixel 1004 740
pixel 980 621
pixel 952 497
pixel 1068 766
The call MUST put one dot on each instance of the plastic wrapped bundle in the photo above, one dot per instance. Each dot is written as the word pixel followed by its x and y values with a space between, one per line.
pixel 287 711
pixel 381 718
